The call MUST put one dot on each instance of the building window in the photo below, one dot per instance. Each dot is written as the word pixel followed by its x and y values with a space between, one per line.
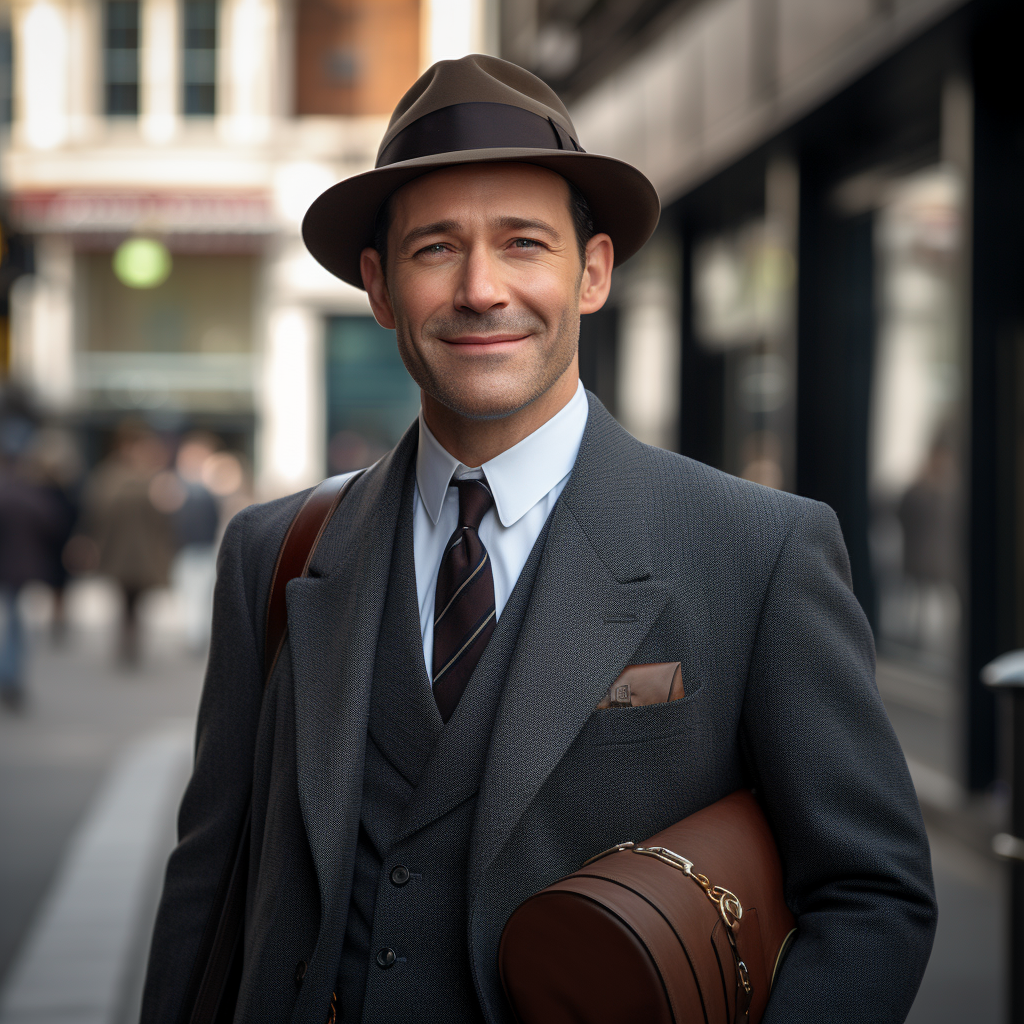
pixel 121 57
pixel 6 74
pixel 354 56
pixel 200 70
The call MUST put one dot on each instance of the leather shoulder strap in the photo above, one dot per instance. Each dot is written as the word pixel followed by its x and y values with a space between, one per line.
pixel 293 559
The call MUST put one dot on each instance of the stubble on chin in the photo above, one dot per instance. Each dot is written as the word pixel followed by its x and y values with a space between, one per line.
pixel 499 387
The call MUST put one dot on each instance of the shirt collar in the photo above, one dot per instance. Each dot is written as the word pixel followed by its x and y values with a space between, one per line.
pixel 520 476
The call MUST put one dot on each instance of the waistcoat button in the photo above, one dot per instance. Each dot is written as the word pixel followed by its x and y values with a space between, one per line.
pixel 400 875
pixel 386 957
pixel 300 972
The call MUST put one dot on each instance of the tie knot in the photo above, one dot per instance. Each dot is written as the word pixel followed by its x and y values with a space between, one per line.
pixel 474 500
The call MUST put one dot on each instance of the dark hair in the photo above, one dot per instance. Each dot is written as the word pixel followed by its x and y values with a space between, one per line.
pixel 582 222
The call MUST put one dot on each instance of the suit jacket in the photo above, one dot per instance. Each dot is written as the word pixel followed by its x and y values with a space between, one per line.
pixel 649 557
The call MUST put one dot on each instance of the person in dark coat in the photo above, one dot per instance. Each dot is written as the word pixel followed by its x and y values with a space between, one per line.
pixel 133 537
pixel 33 524
pixel 55 465
pixel 429 750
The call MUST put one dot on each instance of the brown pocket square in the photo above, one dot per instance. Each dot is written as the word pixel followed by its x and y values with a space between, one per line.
pixel 645 684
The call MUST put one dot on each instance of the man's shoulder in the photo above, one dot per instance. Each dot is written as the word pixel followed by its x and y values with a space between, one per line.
pixel 700 490
pixel 736 524
pixel 680 490
pixel 729 529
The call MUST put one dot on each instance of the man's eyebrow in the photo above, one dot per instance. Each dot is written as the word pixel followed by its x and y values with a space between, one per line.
pixel 525 224
pixel 441 227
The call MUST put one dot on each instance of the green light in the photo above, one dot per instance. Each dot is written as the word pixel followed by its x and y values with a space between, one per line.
pixel 142 263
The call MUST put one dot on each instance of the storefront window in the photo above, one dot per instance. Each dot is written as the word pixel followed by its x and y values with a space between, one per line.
pixel 743 284
pixel 184 343
pixel 916 475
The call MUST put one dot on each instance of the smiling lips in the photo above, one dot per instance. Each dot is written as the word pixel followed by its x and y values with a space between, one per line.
pixel 469 343
pixel 483 339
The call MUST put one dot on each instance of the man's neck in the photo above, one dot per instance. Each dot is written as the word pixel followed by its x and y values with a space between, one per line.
pixel 474 442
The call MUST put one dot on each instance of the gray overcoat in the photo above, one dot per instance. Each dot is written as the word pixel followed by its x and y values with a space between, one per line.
pixel 649 557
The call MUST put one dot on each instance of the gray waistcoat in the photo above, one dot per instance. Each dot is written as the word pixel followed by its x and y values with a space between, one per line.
pixel 419 799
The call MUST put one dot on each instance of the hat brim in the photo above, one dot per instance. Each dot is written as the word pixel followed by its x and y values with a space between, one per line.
pixel 339 223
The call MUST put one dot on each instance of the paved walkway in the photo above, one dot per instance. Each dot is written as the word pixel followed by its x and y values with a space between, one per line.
pixel 83 958
pixel 60 760
pixel 964 983
pixel 965 980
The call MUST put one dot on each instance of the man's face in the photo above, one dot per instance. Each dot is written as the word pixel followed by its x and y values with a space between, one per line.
pixel 483 285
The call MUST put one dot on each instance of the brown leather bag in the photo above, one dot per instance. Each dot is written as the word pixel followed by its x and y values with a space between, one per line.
pixel 690 926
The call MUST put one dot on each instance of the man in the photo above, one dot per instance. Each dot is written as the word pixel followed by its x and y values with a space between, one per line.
pixel 526 549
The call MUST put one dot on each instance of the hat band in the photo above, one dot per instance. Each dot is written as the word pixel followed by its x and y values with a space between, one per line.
pixel 476 125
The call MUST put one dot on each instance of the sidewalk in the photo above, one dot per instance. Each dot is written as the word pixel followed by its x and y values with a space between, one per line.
pixel 83 959
pixel 87 744
pixel 965 980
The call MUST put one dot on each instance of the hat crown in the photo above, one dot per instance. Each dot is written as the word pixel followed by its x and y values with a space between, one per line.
pixel 476 78
pixel 477 110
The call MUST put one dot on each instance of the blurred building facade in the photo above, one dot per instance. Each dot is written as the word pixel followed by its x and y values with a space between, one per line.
pixel 832 303
pixel 200 130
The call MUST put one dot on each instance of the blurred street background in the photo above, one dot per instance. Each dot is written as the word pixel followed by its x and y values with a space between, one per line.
pixel 833 304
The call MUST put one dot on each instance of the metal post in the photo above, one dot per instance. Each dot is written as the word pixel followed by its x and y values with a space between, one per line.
pixel 1006 675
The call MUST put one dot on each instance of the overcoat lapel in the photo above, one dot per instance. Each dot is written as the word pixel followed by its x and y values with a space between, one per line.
pixel 594 600
pixel 334 617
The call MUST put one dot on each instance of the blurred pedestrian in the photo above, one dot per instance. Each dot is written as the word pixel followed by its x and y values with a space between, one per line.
pixel 32 523
pixel 134 538
pixel 192 506
pixel 929 515
pixel 55 465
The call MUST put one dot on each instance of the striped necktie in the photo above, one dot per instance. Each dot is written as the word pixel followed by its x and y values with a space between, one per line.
pixel 464 601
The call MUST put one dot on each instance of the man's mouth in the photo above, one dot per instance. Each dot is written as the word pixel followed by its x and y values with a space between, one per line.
pixel 484 339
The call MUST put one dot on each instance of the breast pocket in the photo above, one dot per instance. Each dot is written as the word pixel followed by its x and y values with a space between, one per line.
pixel 646 724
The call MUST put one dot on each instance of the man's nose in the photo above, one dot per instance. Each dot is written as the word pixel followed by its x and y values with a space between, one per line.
pixel 481 285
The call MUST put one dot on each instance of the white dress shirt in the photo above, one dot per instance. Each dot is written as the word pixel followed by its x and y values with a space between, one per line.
pixel 525 480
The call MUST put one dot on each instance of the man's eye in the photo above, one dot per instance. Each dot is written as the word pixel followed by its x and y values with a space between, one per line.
pixel 526 243
pixel 437 247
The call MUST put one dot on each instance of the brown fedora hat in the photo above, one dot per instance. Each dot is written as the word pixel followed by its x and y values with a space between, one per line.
pixel 477 109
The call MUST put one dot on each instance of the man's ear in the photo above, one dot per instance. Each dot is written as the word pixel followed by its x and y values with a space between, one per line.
pixel 376 288
pixel 596 281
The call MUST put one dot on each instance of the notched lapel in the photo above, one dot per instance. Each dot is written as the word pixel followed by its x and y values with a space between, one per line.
pixel 332 667
pixel 566 659
pixel 594 601
pixel 333 621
